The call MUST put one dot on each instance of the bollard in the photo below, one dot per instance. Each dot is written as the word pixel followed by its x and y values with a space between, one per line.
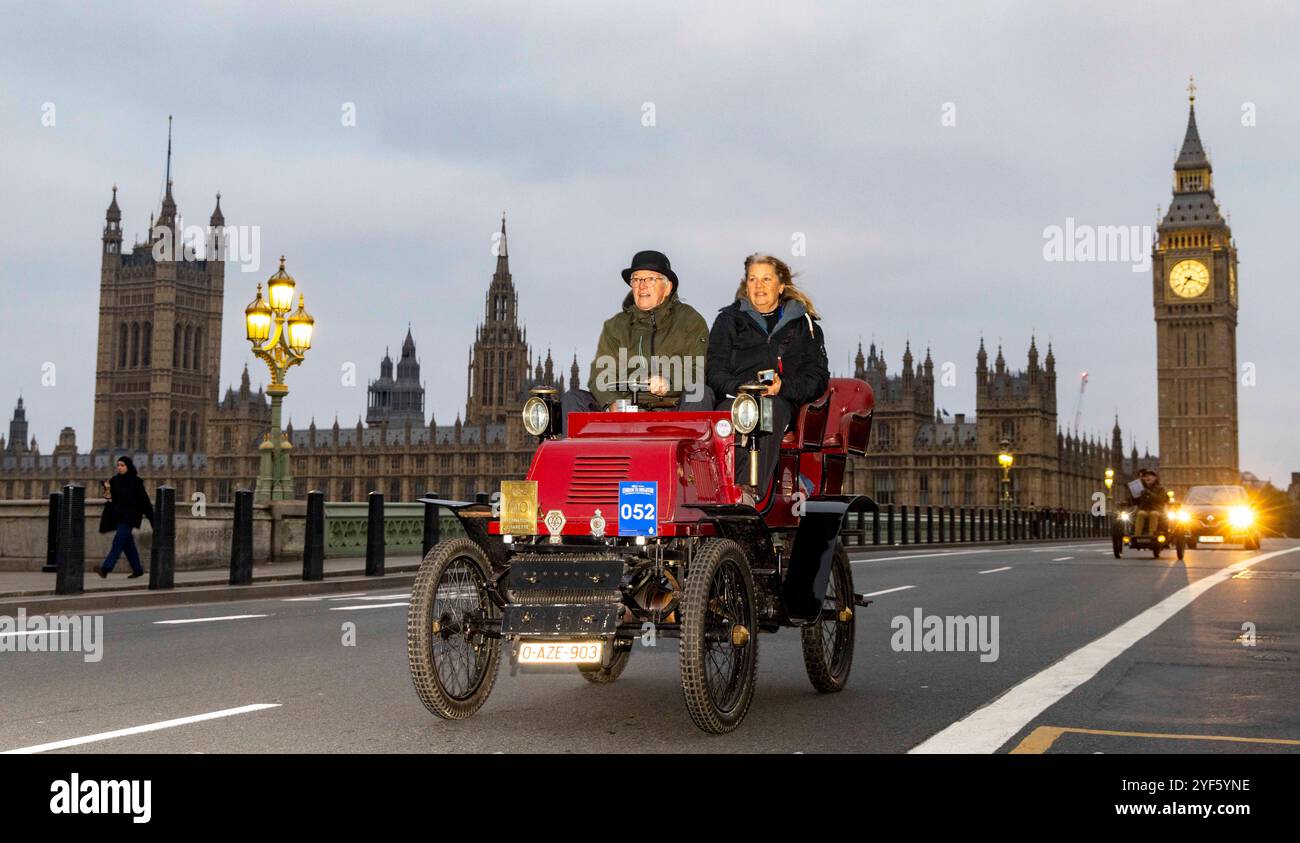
pixel 71 577
pixel 875 526
pixel 929 525
pixel 162 548
pixel 904 524
pixel 961 525
pixel 241 539
pixel 313 543
pixel 432 526
pixel 889 524
pixel 52 534
pixel 375 536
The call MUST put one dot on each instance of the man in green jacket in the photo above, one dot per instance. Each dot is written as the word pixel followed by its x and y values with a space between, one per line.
pixel 656 340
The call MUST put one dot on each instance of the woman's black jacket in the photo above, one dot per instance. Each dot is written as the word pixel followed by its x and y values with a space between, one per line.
pixel 740 347
pixel 131 503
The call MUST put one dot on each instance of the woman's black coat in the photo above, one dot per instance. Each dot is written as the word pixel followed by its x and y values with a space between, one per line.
pixel 739 347
pixel 131 503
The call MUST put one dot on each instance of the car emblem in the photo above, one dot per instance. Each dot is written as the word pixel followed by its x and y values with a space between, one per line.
pixel 1209 518
pixel 597 525
pixel 555 524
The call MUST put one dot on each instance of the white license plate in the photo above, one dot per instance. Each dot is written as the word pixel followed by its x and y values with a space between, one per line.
pixel 1210 539
pixel 561 652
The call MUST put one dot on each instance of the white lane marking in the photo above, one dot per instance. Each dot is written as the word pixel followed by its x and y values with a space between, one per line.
pixel 33 632
pixel 205 620
pixel 367 606
pixel 988 728
pixel 321 597
pixel 137 730
pixel 1105 552
pixel 406 596
pixel 1052 547
pixel 995 570
pixel 889 591
pixel 919 556
pixel 1062 558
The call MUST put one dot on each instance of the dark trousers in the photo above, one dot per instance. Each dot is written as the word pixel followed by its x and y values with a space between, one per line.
pixel 582 401
pixel 769 446
pixel 123 540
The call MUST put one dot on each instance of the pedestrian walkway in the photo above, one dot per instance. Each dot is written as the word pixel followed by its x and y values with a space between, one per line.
pixel 38 584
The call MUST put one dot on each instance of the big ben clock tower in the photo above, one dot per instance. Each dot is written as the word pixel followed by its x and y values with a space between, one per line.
pixel 1194 264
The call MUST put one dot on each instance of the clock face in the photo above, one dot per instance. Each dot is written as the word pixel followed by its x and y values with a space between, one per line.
pixel 1189 278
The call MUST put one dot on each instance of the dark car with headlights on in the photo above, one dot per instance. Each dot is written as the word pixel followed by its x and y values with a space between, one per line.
pixel 1221 515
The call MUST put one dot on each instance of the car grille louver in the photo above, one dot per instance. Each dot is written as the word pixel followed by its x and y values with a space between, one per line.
pixel 595 480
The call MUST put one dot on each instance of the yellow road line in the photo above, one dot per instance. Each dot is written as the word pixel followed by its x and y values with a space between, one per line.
pixel 1041 739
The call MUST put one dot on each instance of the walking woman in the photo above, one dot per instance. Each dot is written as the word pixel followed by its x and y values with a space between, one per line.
pixel 130 505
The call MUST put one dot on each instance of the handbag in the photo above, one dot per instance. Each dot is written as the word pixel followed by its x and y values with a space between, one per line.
pixel 108 518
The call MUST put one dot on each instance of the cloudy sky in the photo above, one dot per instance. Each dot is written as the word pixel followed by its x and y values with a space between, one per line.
pixel 920 150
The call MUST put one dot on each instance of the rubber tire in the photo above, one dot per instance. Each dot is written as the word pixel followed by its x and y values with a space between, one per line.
pixel 1252 543
pixel 690 646
pixel 814 659
pixel 1180 547
pixel 419 619
pixel 1117 546
pixel 602 675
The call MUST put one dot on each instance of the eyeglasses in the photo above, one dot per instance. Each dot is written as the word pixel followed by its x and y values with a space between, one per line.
pixel 645 280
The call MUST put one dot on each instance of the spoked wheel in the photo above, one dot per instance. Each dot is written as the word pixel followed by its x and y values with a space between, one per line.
pixel 828 643
pixel 718 649
pixel 453 667
pixel 601 675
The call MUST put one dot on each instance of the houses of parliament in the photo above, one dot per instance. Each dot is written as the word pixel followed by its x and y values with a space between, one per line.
pixel 156 393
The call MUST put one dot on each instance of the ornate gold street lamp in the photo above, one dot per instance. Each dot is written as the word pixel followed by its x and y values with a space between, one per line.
pixel 280 339
pixel 1006 459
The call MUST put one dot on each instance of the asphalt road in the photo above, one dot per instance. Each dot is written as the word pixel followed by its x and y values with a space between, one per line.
pixel 1094 655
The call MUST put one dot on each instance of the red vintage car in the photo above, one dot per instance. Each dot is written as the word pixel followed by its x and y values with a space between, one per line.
pixel 632 527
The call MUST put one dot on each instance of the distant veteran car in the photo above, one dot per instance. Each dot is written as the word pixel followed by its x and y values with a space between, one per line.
pixel 633 525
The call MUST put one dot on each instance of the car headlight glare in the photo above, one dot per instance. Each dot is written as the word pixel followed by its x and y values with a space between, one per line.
pixel 537 416
pixel 1241 516
pixel 1123 516
pixel 745 413
pixel 1184 516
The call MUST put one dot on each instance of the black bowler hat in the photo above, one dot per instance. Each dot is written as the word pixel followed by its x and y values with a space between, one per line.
pixel 653 261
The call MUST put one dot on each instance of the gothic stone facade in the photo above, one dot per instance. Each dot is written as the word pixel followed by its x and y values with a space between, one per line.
pixel 923 457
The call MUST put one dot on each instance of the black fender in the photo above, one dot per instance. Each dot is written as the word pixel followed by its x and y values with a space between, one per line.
pixel 745 526
pixel 813 552
pixel 473 517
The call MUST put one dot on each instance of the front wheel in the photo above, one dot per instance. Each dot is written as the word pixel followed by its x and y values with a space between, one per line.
pixel 453 666
pixel 1117 543
pixel 828 643
pixel 718 648
pixel 1180 545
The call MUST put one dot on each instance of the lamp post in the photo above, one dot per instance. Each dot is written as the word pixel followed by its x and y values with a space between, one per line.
pixel 1006 459
pixel 280 339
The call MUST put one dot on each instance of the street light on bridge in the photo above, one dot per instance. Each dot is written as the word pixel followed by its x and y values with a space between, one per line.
pixel 281 340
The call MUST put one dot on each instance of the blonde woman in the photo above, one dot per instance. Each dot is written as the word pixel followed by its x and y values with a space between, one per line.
pixel 769 334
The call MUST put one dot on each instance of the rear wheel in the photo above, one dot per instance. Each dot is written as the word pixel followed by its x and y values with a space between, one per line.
pixel 452 666
pixel 718 648
pixel 601 675
pixel 828 643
